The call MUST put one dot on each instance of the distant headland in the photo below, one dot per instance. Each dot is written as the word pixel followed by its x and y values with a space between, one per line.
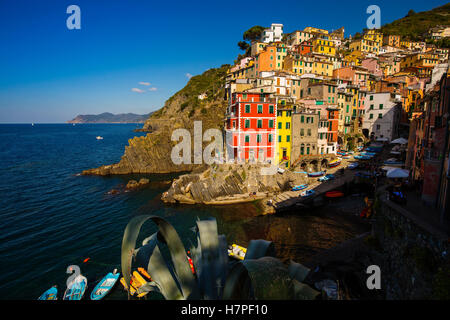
pixel 108 117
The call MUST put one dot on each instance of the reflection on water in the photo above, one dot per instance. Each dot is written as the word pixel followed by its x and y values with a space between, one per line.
pixel 52 217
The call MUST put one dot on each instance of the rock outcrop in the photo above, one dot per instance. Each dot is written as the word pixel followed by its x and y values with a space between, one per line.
pixel 229 183
pixel 151 153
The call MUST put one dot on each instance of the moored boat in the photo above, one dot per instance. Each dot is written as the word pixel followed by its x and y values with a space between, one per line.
pixel 334 163
pixel 50 294
pixel 307 193
pixel 76 288
pixel 105 285
pixel 237 251
pixel 316 174
pixel 300 187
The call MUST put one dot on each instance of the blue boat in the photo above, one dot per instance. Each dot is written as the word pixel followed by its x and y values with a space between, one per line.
pixel 105 285
pixel 326 178
pixel 308 193
pixel 316 174
pixel 300 187
pixel 50 294
pixel 363 157
pixel 76 288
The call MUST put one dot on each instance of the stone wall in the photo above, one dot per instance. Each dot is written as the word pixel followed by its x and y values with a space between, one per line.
pixel 416 261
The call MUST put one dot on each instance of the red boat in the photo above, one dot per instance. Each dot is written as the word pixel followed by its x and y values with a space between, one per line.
pixel 334 194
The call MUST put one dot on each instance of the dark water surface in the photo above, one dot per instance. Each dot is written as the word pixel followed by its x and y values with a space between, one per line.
pixel 52 218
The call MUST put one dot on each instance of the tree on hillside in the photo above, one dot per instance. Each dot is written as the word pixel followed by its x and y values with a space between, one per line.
pixel 411 13
pixel 252 34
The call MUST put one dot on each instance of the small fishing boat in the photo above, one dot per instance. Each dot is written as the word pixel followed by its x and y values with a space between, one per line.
pixel 99 138
pixel 366 157
pixel 334 163
pixel 76 288
pixel 136 282
pixel 144 273
pixel 316 174
pixel 300 187
pixel 326 178
pixel 237 252
pixel 334 194
pixel 50 294
pixel 307 193
pixel 105 285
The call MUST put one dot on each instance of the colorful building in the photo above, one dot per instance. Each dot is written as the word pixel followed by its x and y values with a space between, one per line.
pixel 284 136
pixel 250 127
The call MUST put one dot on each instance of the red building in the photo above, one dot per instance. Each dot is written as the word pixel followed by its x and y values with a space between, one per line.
pixel 305 47
pixel 250 126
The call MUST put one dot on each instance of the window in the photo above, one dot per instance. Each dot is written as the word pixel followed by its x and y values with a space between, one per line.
pixel 280 125
pixel 244 96
pixel 288 125
pixel 258 138
pixel 270 138
pixel 247 138
pixel 371 107
pixel 270 123
pixel 381 106
pixel 247 124
pixel 259 124
pixel 371 116
pixel 302 132
pixel 247 108
pixel 371 98
pixel 380 116
pixel 271 109
pixel 302 119
pixel 309 132
pixel 260 108
pixel 279 138
pixel 288 138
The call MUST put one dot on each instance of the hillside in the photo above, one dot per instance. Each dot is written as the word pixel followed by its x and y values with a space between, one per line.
pixel 415 25
pixel 107 117
pixel 151 153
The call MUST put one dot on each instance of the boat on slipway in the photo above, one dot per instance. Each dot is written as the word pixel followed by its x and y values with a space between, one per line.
pixel 316 174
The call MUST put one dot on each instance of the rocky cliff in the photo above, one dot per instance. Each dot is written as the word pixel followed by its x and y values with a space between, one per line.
pixel 229 183
pixel 202 99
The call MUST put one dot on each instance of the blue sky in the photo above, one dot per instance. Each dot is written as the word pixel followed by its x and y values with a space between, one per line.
pixel 49 73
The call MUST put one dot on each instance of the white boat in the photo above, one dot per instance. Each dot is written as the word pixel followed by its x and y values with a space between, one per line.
pixel 99 138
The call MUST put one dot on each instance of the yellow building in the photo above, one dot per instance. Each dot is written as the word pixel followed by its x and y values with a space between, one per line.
pixel 298 64
pixel 366 46
pixel 297 37
pixel 281 53
pixel 419 60
pixel 284 124
pixel 374 35
pixel 324 46
pixel 323 68
pixel 257 47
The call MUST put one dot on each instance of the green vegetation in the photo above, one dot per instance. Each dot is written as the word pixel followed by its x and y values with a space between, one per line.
pixel 259 276
pixel 415 26
pixel 209 82
pixel 252 34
